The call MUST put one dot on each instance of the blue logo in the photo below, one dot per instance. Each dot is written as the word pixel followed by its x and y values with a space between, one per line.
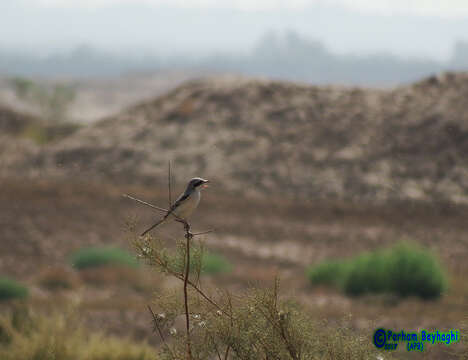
pixel 385 339
pixel 380 340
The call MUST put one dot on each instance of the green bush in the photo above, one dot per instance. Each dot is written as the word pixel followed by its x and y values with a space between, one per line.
pixel 327 273
pixel 215 264
pixel 210 263
pixel 367 274
pixel 10 289
pixel 403 270
pixel 415 271
pixel 102 256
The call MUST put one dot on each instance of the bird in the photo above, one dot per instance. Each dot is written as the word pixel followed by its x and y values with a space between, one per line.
pixel 185 204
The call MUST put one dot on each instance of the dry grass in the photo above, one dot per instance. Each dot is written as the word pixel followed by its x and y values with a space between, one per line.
pixel 25 335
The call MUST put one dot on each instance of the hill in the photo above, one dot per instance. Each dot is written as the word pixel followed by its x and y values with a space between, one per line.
pixel 13 122
pixel 254 136
pixel 15 146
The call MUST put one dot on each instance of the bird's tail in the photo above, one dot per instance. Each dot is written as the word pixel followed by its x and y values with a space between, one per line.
pixel 154 225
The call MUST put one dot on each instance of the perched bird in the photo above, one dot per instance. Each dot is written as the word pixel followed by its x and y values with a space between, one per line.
pixel 185 204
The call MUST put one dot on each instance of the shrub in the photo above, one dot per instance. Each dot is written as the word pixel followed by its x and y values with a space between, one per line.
pixel 257 324
pixel 415 271
pixel 404 270
pixel 10 289
pixel 367 274
pixel 102 256
pixel 327 273
pixel 214 264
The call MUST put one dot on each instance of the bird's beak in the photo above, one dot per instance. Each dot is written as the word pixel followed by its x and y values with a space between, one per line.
pixel 205 185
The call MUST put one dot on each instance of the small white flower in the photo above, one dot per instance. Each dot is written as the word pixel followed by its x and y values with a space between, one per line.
pixel 173 331
pixel 161 316
pixel 219 312
pixel 202 323
pixel 196 316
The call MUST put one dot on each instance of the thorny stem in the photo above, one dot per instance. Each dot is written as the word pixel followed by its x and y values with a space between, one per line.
pixel 228 347
pixel 188 237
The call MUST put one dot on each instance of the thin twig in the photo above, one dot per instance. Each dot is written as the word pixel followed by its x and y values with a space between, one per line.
pixel 157 327
pixel 169 180
pixel 145 203
pixel 188 236
pixel 228 347
pixel 197 289
pixel 227 352
pixel 203 232
pixel 214 343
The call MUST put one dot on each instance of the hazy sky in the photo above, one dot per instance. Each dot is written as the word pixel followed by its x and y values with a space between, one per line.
pixel 447 8
pixel 408 28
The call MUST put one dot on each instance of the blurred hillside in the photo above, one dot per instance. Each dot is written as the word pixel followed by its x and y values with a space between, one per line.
pixel 254 137
pixel 100 96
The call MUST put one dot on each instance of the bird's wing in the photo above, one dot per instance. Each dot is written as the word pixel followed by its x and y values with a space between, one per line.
pixel 179 200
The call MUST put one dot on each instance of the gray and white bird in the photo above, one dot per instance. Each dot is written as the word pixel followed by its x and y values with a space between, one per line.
pixel 185 204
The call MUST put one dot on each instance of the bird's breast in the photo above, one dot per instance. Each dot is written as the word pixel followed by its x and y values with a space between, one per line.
pixel 186 209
